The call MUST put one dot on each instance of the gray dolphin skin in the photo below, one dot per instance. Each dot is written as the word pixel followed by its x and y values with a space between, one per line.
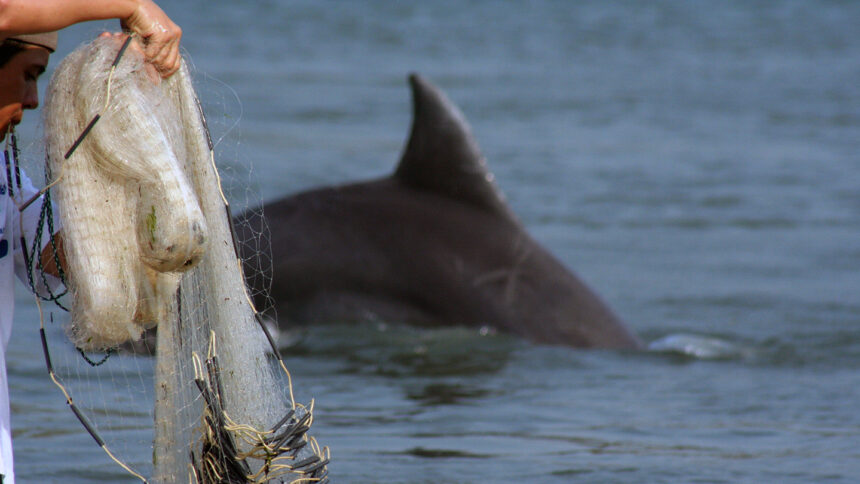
pixel 433 244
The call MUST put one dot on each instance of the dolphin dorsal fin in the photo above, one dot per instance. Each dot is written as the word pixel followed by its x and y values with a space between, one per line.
pixel 442 155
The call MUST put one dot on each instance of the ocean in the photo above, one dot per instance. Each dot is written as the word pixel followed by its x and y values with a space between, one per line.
pixel 695 162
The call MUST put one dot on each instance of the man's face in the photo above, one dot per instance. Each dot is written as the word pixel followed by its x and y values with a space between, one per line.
pixel 18 89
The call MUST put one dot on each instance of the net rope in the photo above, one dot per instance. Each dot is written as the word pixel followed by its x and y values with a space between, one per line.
pixel 221 415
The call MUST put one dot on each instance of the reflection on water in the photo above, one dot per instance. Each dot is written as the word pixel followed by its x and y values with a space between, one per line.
pixel 398 351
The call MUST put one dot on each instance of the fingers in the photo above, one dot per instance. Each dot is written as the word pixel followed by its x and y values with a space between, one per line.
pixel 173 61
pixel 162 48
pixel 137 46
pixel 160 36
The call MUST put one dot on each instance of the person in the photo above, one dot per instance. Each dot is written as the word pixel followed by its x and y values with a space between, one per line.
pixel 27 38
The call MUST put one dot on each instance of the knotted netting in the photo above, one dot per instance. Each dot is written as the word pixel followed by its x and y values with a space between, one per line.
pixel 149 243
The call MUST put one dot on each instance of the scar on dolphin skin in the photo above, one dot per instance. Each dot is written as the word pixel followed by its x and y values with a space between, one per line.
pixel 432 244
pixel 508 276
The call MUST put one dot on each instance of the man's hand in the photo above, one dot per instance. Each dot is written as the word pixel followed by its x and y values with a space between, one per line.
pixel 159 34
pixel 151 72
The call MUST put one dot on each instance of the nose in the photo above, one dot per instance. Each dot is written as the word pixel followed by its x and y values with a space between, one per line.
pixel 31 96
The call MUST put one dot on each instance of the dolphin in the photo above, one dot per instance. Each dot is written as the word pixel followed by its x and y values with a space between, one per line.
pixel 432 244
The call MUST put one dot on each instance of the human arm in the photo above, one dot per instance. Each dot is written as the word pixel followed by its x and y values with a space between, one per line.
pixel 31 228
pixel 160 35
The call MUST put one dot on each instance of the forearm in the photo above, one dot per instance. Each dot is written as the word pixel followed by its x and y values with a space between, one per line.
pixel 34 16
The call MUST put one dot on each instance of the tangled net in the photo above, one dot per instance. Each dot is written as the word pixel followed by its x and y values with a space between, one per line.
pixel 149 241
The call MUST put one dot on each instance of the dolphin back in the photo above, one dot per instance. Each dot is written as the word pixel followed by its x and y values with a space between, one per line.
pixel 432 244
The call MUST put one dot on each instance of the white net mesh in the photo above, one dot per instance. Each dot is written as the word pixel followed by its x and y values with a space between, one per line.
pixel 148 241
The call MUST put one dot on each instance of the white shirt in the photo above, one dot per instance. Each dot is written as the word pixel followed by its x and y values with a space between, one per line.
pixel 12 262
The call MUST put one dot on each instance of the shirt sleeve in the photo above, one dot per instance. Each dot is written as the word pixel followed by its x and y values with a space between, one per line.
pixel 30 226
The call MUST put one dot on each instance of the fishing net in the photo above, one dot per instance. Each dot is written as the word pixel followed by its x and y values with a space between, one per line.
pixel 148 239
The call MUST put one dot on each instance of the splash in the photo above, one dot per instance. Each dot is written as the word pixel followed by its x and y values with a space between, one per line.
pixel 696 346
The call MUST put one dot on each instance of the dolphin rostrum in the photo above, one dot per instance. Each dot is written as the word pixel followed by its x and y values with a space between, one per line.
pixel 433 244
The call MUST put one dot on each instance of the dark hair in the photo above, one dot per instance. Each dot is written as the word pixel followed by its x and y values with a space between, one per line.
pixel 8 50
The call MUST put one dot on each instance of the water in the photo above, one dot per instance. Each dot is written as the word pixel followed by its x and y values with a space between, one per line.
pixel 696 163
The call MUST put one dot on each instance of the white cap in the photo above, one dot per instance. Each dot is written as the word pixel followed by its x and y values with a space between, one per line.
pixel 47 40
